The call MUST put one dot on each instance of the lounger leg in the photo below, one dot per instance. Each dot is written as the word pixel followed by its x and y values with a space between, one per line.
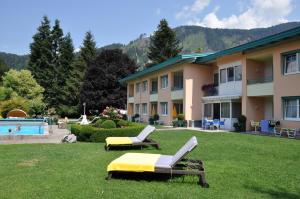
pixel 106 147
pixel 202 180
pixel 109 175
pixel 157 146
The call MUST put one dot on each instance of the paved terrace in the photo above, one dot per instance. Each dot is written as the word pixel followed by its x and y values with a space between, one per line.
pixel 54 137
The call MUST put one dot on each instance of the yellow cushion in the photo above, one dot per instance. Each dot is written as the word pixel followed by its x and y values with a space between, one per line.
pixel 118 140
pixel 135 162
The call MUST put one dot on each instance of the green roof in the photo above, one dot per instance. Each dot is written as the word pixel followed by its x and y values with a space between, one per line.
pixel 174 60
pixel 253 44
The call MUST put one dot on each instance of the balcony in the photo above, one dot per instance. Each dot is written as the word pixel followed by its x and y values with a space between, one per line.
pixel 153 96
pixel 130 99
pixel 260 86
pixel 177 93
pixel 210 90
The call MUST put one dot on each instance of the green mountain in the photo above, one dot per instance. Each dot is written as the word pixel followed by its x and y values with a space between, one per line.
pixel 196 38
pixel 193 39
pixel 13 60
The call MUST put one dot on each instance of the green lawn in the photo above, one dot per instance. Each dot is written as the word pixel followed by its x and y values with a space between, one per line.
pixel 237 166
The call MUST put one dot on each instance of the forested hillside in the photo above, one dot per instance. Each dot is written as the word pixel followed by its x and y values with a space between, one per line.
pixel 192 38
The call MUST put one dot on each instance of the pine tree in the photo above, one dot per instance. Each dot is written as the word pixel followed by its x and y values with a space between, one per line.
pixel 163 44
pixel 50 60
pixel 56 38
pixel 88 51
pixel 53 91
pixel 101 85
pixel 40 58
pixel 72 89
pixel 64 66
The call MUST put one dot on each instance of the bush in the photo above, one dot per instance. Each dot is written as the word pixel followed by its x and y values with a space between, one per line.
pixel 88 133
pixel 155 117
pixel 108 124
pixel 122 123
pixel 240 126
pixel 151 120
pixel 180 117
pixel 98 123
pixel 179 123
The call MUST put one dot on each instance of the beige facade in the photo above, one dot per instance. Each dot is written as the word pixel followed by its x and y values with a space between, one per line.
pixel 256 83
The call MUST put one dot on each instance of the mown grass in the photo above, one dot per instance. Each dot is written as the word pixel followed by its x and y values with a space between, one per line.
pixel 237 166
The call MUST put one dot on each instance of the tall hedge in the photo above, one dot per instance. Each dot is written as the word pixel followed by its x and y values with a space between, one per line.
pixel 88 133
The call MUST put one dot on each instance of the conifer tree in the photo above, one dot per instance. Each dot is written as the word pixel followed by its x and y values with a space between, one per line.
pixel 40 58
pixel 101 85
pixel 163 44
pixel 72 89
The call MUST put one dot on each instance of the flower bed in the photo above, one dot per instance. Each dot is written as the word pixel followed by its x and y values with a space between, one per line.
pixel 89 133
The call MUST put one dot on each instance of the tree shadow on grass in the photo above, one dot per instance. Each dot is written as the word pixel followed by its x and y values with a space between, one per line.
pixel 275 192
pixel 131 148
pixel 150 176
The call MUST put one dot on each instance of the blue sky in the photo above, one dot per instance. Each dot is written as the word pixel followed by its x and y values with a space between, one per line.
pixel 120 21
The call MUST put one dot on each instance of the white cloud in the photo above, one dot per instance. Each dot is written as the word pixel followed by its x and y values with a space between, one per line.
pixel 260 13
pixel 77 50
pixel 196 7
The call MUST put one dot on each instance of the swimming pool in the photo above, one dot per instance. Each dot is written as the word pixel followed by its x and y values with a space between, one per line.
pixel 23 127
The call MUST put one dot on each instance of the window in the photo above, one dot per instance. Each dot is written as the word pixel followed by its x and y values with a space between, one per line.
pixel 178 81
pixel 237 73
pixel 292 108
pixel 236 109
pixel 225 110
pixel 230 74
pixel 154 86
pixel 164 81
pixel 144 109
pixel 207 110
pixel 223 76
pixel 164 108
pixel 178 108
pixel 137 87
pixel 291 63
pixel 216 79
pixel 145 86
pixel 137 109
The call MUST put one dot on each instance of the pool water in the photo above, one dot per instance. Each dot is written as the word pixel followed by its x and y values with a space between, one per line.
pixel 22 130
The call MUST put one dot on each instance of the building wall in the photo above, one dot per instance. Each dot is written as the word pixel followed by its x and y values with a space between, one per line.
pixel 195 76
pixel 284 85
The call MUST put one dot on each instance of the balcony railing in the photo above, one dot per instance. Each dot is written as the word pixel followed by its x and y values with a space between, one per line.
pixel 153 92
pixel 176 88
pixel 211 91
pixel 260 80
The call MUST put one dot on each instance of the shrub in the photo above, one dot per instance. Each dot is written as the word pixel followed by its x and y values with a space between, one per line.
pixel 88 133
pixel 151 120
pixel 179 123
pixel 240 126
pixel 111 113
pixel 155 117
pixel 122 123
pixel 180 117
pixel 98 123
pixel 108 124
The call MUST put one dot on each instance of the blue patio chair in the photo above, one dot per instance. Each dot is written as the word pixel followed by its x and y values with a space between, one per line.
pixel 216 123
pixel 206 124
pixel 222 123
